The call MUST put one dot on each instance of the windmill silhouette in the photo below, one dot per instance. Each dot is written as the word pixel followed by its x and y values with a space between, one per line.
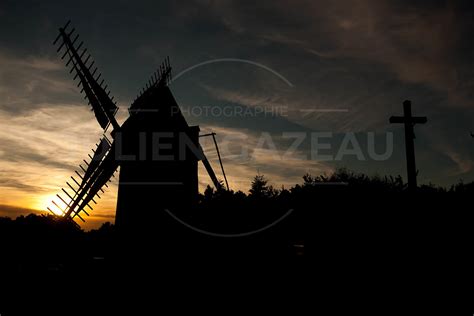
pixel 155 148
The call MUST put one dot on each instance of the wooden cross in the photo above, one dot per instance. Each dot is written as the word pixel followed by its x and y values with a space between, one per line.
pixel 409 122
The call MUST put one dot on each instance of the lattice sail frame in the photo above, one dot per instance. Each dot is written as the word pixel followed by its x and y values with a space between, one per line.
pixel 73 200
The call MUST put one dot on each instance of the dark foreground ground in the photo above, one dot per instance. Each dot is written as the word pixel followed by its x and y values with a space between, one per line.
pixel 347 248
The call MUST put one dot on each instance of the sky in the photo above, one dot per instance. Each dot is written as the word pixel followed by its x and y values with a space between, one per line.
pixel 290 87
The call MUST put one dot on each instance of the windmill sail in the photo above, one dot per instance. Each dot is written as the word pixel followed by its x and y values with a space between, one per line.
pixel 102 149
pixel 160 78
pixel 103 106
pixel 98 110
pixel 107 169
pixel 78 195
pixel 95 177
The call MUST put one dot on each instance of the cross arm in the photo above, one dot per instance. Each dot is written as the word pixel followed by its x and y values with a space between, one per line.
pixel 419 120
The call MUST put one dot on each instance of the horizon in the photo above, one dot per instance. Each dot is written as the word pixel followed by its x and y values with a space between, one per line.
pixel 96 221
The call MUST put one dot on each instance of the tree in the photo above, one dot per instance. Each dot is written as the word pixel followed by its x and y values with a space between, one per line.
pixel 261 189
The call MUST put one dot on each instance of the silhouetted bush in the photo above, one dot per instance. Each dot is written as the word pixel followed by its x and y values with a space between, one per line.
pixel 338 208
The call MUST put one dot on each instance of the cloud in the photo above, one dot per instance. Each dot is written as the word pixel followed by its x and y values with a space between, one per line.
pixel 420 44
pixel 464 165
pixel 26 83
pixel 39 151
pixel 245 154
pixel 360 55
pixel 365 56
pixel 14 211
pixel 12 183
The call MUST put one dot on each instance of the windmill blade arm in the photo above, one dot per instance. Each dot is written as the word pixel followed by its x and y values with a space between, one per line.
pixel 101 100
pixel 91 175
pixel 98 109
pixel 82 192
pixel 100 152
pixel 211 173
pixel 106 172
pixel 220 160
pixel 208 166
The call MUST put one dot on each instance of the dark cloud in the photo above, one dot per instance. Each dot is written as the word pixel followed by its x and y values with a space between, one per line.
pixel 12 183
pixel 28 83
pixel 14 211
pixel 22 153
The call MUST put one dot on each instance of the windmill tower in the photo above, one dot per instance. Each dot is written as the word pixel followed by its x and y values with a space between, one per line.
pixel 155 148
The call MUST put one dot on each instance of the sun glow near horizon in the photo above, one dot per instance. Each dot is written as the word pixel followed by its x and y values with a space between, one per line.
pixel 46 201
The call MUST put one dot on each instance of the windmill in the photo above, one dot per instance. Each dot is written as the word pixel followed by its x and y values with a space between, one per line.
pixel 155 148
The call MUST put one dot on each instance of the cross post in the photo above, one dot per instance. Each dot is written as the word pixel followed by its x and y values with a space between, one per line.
pixel 409 121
